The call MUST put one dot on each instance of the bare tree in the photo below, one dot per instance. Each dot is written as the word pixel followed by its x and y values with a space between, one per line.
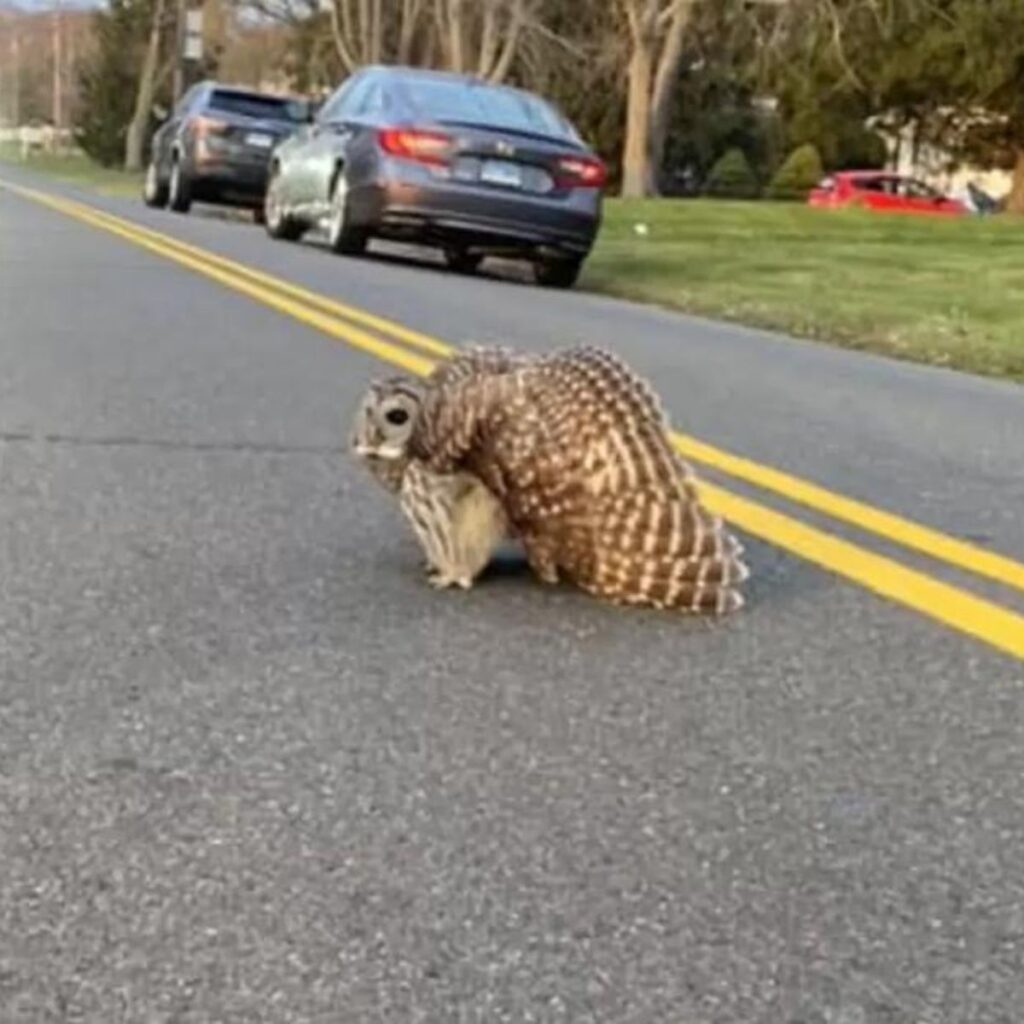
pixel 480 36
pixel 657 31
pixel 136 137
pixel 371 31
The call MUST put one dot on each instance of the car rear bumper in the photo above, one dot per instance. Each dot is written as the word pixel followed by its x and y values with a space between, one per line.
pixel 477 218
pixel 225 179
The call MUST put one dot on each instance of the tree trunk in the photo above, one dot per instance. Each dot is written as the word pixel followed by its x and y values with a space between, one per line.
pixel 456 58
pixel 1015 200
pixel 135 140
pixel 636 154
pixel 657 32
pixel 665 80
pixel 502 66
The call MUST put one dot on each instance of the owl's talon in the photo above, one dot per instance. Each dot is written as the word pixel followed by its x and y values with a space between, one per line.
pixel 544 568
pixel 442 581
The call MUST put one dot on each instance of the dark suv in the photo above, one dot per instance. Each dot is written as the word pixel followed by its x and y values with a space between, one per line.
pixel 216 145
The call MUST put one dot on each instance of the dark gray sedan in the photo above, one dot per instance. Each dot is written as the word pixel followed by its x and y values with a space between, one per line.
pixel 215 147
pixel 441 159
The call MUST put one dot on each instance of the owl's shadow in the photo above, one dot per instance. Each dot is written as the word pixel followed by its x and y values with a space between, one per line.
pixel 776 578
pixel 507 563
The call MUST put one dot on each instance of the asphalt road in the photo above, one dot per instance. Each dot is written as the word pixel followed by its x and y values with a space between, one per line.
pixel 253 769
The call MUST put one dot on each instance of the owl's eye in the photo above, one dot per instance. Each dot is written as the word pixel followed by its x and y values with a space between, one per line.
pixel 396 417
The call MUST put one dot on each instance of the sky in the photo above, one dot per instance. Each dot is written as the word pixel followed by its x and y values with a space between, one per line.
pixel 47 5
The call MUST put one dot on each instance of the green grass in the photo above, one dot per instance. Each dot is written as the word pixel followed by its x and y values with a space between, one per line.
pixel 945 292
pixel 75 168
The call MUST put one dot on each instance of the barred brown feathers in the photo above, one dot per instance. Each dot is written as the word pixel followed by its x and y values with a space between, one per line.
pixel 575 449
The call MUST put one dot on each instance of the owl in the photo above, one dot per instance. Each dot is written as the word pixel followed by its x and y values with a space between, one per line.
pixel 568 452
pixel 458 522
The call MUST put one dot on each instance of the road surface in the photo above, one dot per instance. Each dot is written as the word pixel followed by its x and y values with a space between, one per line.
pixel 253 769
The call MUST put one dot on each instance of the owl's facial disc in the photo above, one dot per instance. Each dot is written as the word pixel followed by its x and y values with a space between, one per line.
pixel 395 418
pixel 385 422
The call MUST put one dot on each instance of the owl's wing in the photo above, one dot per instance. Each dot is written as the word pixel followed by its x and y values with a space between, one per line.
pixel 474 361
pixel 466 398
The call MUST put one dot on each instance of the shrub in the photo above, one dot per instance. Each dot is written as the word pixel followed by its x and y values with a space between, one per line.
pixel 797 175
pixel 732 177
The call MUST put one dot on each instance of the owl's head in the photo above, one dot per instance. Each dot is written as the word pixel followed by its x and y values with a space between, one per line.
pixel 383 427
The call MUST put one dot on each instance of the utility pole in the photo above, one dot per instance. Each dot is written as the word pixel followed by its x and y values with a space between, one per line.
pixel 58 71
pixel 15 73
pixel 178 81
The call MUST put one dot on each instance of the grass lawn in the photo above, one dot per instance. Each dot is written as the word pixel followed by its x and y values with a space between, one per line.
pixel 947 292
pixel 75 168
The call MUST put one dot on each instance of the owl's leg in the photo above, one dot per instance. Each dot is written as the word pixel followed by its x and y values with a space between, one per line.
pixel 541 556
pixel 431 502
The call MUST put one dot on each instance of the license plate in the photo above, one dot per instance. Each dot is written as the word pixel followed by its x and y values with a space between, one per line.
pixel 501 172
pixel 259 141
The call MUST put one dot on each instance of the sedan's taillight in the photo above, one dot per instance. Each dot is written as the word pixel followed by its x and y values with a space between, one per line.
pixel 425 147
pixel 580 172
pixel 206 126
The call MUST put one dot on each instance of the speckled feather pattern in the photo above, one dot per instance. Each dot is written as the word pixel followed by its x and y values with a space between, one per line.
pixel 575 446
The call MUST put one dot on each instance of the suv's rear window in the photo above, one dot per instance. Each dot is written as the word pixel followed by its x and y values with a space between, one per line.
pixel 487 106
pixel 271 108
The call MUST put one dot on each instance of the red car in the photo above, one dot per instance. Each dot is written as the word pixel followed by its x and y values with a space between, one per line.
pixel 882 190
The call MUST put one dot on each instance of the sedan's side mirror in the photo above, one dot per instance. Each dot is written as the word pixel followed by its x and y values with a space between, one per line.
pixel 312 109
pixel 160 113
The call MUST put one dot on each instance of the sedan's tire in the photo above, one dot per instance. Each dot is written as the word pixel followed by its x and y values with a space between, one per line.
pixel 342 236
pixel 557 273
pixel 276 220
pixel 153 192
pixel 179 191
pixel 462 261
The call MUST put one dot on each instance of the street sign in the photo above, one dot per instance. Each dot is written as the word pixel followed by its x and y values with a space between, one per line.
pixel 192 48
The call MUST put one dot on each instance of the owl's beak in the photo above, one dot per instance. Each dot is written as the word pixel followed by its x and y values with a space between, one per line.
pixel 383 452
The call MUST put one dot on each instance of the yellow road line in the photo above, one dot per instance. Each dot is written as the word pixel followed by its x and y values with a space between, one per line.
pixel 317 301
pixel 982 619
pixel 874 520
pixel 898 529
pixel 322 322
pixel 950 605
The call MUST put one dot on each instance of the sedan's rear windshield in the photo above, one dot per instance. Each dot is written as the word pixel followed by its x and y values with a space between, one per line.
pixel 487 105
pixel 270 108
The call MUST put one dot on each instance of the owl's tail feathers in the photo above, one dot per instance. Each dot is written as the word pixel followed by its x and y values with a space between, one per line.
pixel 674 558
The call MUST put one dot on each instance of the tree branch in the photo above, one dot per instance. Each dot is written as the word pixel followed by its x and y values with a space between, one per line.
pixel 377 33
pixel 488 39
pixel 501 69
pixel 338 34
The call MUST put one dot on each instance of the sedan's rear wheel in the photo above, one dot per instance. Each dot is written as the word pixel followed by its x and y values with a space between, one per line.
pixel 462 261
pixel 276 220
pixel 179 195
pixel 561 273
pixel 153 192
pixel 342 236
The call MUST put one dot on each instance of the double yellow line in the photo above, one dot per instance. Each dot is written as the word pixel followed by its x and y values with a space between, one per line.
pixel 416 352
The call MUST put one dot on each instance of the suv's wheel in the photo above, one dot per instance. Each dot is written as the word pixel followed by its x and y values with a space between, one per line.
pixel 179 194
pixel 342 237
pixel 561 273
pixel 153 192
pixel 462 261
pixel 275 218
